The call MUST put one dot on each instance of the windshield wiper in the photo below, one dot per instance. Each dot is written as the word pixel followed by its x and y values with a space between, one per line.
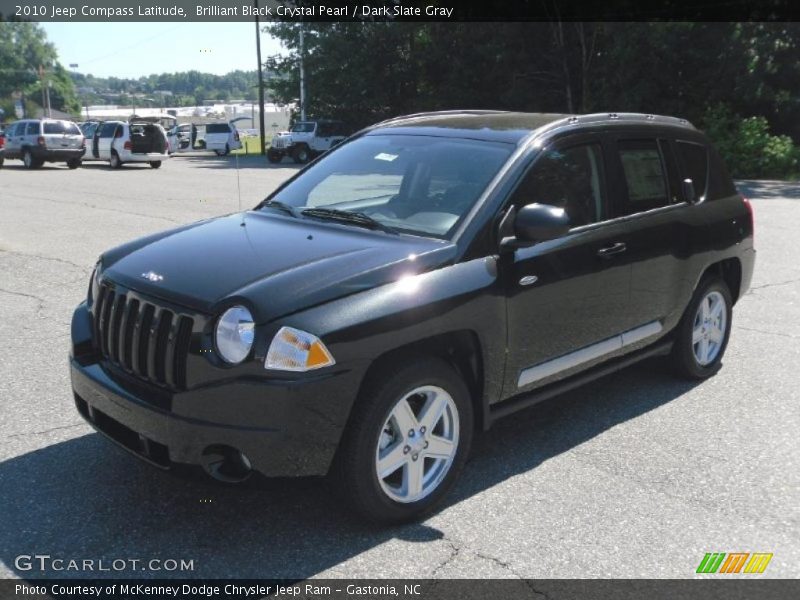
pixel 356 218
pixel 287 208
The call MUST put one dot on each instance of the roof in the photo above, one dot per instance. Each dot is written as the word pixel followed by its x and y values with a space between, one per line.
pixel 509 127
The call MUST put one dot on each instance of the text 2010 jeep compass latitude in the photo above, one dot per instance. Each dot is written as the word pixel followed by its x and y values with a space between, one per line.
pixel 429 275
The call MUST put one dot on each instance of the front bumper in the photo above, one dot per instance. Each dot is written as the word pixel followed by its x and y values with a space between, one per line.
pixel 283 427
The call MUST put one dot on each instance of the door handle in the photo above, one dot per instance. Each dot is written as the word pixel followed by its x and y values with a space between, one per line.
pixel 611 250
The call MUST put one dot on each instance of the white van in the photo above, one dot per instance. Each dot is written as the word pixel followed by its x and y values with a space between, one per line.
pixel 222 138
pixel 119 142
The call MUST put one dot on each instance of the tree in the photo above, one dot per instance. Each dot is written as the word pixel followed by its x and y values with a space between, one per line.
pixel 23 49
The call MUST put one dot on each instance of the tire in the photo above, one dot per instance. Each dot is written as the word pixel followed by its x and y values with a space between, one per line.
pixel 1 162
pixel 29 161
pixel 377 433
pixel 274 156
pixel 115 161
pixel 74 163
pixel 301 155
pixel 704 330
pixel 155 164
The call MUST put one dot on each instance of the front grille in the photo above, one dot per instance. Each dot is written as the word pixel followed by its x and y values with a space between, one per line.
pixel 146 340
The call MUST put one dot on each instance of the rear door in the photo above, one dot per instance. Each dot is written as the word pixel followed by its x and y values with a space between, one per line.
pixel 13 139
pixel 567 298
pixel 105 139
pixel 660 226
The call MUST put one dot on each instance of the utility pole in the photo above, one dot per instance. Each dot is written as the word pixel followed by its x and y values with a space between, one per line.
pixel 260 84
pixel 302 73
pixel 44 92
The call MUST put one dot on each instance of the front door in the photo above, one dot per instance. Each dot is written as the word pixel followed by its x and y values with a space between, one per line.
pixel 567 298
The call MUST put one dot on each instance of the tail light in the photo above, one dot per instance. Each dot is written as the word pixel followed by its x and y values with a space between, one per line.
pixel 2 141
pixel 40 140
pixel 83 143
pixel 127 145
pixel 749 206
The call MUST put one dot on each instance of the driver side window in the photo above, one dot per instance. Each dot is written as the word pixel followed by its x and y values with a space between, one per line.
pixel 569 178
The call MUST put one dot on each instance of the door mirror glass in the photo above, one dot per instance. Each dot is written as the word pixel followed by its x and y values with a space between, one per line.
pixel 540 222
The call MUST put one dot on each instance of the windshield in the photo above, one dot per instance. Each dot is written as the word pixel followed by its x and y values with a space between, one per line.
pixel 303 127
pixel 416 184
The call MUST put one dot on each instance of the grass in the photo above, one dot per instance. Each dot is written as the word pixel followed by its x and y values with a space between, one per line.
pixel 251 145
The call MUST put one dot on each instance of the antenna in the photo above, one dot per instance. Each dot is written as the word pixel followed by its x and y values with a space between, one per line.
pixel 239 186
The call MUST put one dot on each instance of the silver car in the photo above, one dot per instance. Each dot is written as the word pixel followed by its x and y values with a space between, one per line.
pixel 37 141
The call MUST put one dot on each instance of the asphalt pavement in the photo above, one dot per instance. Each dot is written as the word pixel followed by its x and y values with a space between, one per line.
pixel 636 475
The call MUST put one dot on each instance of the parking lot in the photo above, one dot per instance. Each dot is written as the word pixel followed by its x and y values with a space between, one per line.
pixel 637 475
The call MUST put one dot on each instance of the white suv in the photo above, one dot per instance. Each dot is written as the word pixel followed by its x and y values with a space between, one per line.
pixel 306 140
pixel 119 142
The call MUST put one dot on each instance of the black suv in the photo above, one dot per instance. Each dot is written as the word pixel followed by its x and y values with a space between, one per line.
pixel 428 276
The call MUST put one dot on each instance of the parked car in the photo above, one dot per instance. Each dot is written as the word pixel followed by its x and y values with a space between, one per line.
pixel 306 140
pixel 427 277
pixel 222 138
pixel 120 142
pixel 180 138
pixel 37 141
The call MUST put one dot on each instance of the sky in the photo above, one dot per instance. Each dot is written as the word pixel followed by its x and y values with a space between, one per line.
pixel 136 49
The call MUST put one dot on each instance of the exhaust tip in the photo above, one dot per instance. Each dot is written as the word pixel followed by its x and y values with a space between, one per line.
pixel 226 464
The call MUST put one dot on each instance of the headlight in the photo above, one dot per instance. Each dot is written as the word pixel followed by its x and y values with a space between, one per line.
pixel 94 284
pixel 295 350
pixel 234 334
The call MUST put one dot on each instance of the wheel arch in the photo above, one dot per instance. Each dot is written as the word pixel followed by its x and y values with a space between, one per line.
pixel 730 271
pixel 461 349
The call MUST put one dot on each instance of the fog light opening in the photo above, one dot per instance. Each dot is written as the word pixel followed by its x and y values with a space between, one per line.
pixel 226 464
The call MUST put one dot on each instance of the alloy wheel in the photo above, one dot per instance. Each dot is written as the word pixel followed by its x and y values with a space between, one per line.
pixel 708 331
pixel 417 444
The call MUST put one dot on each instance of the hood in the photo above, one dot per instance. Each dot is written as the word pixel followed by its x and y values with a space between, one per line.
pixel 274 264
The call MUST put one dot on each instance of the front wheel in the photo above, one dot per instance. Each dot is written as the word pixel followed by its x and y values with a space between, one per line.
pixel 408 439
pixel 274 156
pixel 301 155
pixel 704 331
pixel 155 164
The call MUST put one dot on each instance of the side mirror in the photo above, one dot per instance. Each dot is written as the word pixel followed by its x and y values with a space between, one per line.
pixel 688 191
pixel 537 223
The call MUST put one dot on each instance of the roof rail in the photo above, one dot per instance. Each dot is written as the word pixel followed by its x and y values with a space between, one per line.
pixel 437 113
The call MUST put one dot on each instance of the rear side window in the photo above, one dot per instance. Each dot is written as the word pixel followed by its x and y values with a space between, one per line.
pixel 694 165
pixel 218 128
pixel 645 177
pixel 572 179
pixel 107 130
pixel 32 128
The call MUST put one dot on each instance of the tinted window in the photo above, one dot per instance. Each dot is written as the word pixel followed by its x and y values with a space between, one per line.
pixel 56 127
pixel 107 130
pixel 694 165
pixel 644 175
pixel 218 128
pixel 571 179
pixel 32 128
pixel 303 127
pixel 11 130
pixel 411 183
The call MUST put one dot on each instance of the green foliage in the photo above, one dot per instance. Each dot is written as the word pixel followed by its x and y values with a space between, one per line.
pixel 23 49
pixel 747 146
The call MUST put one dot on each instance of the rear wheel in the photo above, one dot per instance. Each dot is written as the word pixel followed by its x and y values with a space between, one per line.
pixel 115 161
pixel 155 164
pixel 74 163
pixel 408 439
pixel 704 331
pixel 29 161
